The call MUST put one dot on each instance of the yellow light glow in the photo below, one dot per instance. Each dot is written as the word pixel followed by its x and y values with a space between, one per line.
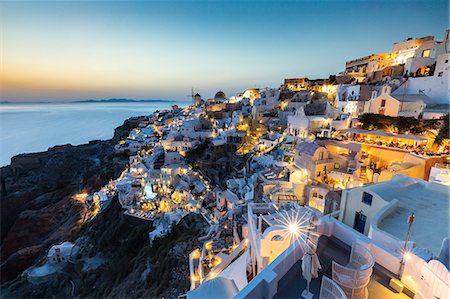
pixel 209 245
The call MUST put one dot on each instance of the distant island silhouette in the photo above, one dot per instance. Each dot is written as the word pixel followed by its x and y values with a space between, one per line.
pixel 119 101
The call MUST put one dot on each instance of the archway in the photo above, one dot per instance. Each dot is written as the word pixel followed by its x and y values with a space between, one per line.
pixel 420 71
pixel 388 72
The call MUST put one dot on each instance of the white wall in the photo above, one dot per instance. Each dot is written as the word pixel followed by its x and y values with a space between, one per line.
pixel 352 202
pixel 437 88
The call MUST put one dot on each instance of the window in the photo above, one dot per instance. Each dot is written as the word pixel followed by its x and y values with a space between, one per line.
pixel 337 166
pixel 367 198
pixel 440 74
pixel 320 196
pixel 446 61
pixel 277 238
pixel 321 156
pixel 383 103
pixel 426 53
pixel 315 194
pixel 318 174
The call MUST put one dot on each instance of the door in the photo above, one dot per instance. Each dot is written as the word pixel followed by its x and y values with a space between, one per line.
pixel 360 222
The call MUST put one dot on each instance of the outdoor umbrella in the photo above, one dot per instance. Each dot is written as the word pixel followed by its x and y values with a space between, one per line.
pixel 307 274
pixel 315 265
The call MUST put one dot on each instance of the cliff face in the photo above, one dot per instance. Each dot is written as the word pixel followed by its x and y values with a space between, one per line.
pixel 37 205
pixel 129 266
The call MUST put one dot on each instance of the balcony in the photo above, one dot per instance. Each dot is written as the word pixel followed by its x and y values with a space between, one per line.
pixel 322 161
pixel 355 276
pixel 333 251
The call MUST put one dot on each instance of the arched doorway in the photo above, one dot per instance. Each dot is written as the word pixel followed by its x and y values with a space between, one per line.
pixel 388 72
pixel 421 71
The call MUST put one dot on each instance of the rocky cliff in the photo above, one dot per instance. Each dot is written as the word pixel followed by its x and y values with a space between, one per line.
pixel 117 261
pixel 37 205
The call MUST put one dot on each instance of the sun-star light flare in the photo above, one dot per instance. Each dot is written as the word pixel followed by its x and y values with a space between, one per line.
pixel 297 226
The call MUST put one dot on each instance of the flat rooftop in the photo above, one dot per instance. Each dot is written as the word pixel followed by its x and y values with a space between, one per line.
pixel 427 200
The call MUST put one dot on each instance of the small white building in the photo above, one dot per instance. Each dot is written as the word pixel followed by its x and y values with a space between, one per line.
pixel 410 105
pixel 225 201
pixel 141 133
pixel 128 146
pixel 249 94
pixel 298 124
pixel 381 211
pixel 237 117
pixel 173 157
pixel 61 253
pixel 180 144
pixel 440 173
pixel 270 140
pixel 350 98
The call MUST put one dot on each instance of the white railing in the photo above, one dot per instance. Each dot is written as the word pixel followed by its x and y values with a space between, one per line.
pixel 227 261
pixel 330 290
pixel 322 161
pixel 356 275
pixel 383 237
pixel 265 284
pixel 382 254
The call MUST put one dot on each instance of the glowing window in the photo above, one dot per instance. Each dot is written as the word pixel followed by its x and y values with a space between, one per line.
pixel 426 53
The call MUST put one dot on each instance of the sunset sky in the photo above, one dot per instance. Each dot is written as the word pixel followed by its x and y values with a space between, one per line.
pixel 63 50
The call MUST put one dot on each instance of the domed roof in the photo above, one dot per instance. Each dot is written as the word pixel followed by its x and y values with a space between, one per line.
pixel 219 287
pixel 220 95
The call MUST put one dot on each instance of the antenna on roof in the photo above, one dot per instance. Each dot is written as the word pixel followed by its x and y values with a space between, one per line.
pixel 191 95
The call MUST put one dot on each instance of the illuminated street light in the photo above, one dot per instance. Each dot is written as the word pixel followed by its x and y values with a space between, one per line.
pixel 293 229
pixel 297 227
pixel 405 254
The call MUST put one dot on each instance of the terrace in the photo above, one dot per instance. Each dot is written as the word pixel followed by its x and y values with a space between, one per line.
pixel 353 262
pixel 332 251
pixel 403 142
pixel 274 173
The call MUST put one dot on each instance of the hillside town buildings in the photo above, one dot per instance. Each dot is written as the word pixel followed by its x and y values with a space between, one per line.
pixel 302 194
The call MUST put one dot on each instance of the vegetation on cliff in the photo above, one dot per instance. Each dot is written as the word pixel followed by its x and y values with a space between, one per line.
pixel 402 125
pixel 131 267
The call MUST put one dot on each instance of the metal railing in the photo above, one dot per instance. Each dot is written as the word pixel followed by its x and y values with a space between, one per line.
pixel 330 290
pixel 355 277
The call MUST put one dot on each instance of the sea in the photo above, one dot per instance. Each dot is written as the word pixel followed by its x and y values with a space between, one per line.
pixel 34 127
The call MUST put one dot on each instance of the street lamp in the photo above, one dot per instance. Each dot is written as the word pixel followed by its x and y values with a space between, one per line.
pixel 411 219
